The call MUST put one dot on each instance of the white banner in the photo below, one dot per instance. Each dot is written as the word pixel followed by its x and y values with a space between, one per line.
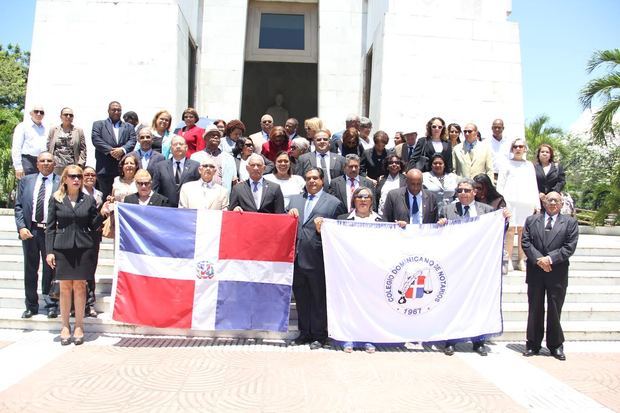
pixel 424 283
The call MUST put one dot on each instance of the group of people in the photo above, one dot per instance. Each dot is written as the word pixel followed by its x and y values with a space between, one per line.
pixel 352 174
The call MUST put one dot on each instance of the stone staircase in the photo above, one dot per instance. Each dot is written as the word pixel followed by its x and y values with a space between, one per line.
pixel 591 310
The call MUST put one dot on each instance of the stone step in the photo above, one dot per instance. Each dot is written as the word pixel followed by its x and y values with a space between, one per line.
pixel 11 318
pixel 575 277
pixel 570 312
pixel 13 262
pixel 14 247
pixel 517 293
pixel 15 279
pixel 595 263
pixel 573 331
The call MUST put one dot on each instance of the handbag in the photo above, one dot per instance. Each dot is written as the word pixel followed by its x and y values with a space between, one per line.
pixel 107 230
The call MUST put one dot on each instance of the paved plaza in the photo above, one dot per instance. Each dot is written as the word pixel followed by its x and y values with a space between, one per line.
pixel 122 373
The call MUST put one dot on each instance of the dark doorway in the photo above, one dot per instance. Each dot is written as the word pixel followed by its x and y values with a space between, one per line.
pixel 262 81
pixel 191 73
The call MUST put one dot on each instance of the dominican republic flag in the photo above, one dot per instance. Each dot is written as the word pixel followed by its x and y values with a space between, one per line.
pixel 424 283
pixel 202 269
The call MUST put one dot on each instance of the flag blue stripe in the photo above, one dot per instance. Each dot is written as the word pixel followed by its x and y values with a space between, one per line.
pixel 252 306
pixel 156 231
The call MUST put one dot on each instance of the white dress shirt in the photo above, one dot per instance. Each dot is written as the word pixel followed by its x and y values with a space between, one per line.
pixel 48 193
pixel 28 139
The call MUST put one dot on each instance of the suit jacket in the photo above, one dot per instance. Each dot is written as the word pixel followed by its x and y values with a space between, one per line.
pixel 71 227
pixel 192 196
pixel 553 181
pixel 163 179
pixel 480 163
pixel 78 143
pixel 271 202
pixel 104 141
pixel 402 151
pixel 454 211
pixel 308 160
pixel 269 166
pixel 309 250
pixel 156 200
pixel 26 197
pixel 339 188
pixel 156 157
pixel 559 244
pixel 396 207
pixel 424 147
pixel 371 164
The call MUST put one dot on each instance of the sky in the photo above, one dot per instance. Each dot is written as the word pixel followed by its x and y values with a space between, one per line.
pixel 557 39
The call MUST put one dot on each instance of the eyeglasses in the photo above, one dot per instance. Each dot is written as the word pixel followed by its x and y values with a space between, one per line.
pixel 552 201
pixel 321 139
pixel 437 127
pixel 518 146
pixel 147 183
pixel 467 131
pixel 267 121
pixel 394 163
pixel 45 160
pixel 463 190
pixel 38 112
pixel 362 196
pixel 248 145
pixel 497 127
pixel 208 165
pixel 69 115
pixel 74 176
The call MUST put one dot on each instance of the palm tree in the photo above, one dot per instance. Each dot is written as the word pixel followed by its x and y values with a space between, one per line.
pixel 538 132
pixel 606 89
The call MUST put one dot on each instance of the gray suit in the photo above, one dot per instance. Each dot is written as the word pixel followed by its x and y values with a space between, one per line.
pixel 156 157
pixel 308 160
pixel 559 244
pixel 34 248
pixel 396 207
pixel 454 211
pixel 309 271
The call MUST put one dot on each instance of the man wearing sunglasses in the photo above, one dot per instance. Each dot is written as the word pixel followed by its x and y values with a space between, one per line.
pixel 31 208
pixel 204 193
pixel 145 194
pixel 29 140
pixel 471 157
pixel 262 136
pixel 466 207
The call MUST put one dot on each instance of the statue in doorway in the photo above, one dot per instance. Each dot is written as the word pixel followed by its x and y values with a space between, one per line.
pixel 277 111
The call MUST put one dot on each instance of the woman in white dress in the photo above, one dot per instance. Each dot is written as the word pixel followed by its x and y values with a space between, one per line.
pixel 517 183
pixel 289 184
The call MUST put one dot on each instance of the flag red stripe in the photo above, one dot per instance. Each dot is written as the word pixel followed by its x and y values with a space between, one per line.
pixel 156 302
pixel 258 237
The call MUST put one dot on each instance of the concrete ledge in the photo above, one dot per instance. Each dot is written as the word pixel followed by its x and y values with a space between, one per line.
pixel 586 229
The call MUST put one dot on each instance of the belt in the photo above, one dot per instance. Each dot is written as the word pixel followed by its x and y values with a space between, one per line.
pixel 40 225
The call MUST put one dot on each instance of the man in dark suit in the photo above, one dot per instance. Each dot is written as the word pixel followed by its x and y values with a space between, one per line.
pixel 112 139
pixel 147 156
pixel 31 207
pixel 549 240
pixel 145 194
pixel 466 207
pixel 411 204
pixel 309 271
pixel 257 194
pixel 170 175
pixel 331 163
pixel 343 186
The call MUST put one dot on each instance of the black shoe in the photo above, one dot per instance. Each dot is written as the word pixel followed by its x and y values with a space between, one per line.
pixel 315 345
pixel 449 350
pixel 52 313
pixel 558 353
pixel 529 352
pixel 78 340
pixel 481 350
pixel 90 312
pixel 28 314
pixel 301 340
pixel 65 341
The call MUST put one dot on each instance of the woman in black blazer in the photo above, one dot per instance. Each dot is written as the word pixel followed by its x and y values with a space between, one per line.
pixel 70 240
pixel 436 141
pixel 549 174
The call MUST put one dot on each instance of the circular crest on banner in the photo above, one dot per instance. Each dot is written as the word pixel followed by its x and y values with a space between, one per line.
pixel 415 285
pixel 204 270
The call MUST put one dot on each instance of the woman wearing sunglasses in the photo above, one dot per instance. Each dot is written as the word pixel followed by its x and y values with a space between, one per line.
pixel 517 182
pixel 70 240
pixel 67 143
pixel 436 141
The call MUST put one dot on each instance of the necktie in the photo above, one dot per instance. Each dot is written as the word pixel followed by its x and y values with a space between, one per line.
pixel 414 210
pixel 466 211
pixel 324 167
pixel 410 152
pixel 255 194
pixel 308 207
pixel 352 185
pixel 38 216
pixel 548 227
pixel 177 176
